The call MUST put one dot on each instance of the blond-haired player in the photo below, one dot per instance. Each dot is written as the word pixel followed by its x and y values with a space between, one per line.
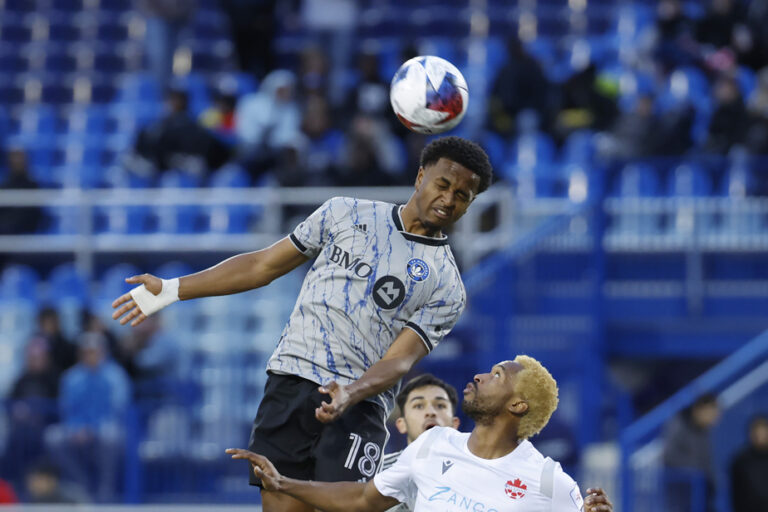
pixel 495 467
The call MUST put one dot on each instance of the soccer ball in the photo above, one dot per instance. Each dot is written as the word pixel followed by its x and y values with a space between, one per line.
pixel 429 94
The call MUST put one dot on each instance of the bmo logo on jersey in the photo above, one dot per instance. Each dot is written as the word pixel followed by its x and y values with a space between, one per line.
pixel 343 259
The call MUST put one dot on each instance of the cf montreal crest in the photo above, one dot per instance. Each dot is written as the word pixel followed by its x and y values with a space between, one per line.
pixel 418 269
pixel 515 489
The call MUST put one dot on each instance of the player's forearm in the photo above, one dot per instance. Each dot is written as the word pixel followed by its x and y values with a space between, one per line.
pixel 328 496
pixel 233 275
pixel 378 378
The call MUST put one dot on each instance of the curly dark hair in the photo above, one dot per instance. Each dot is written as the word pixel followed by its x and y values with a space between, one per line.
pixel 421 381
pixel 461 151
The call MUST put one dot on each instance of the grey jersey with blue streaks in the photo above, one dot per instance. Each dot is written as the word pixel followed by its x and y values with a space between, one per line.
pixel 370 280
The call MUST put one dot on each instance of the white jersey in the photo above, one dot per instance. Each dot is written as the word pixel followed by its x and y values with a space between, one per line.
pixel 370 280
pixel 438 473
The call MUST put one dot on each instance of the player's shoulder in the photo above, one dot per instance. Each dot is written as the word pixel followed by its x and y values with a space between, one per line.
pixel 356 205
pixel 561 478
pixel 389 459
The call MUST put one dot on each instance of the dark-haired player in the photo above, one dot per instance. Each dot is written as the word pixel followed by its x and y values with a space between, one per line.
pixel 382 292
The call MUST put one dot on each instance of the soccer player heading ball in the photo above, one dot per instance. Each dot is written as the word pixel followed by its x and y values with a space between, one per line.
pixel 383 291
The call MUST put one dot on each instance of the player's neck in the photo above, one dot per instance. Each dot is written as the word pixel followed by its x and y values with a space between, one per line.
pixel 492 441
pixel 413 225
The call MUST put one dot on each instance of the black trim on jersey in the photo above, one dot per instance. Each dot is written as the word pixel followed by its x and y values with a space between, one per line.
pixel 426 240
pixel 389 460
pixel 421 334
pixel 299 245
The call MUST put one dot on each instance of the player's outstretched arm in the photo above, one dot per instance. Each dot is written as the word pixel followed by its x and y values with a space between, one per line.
pixel 328 496
pixel 597 501
pixel 406 351
pixel 234 275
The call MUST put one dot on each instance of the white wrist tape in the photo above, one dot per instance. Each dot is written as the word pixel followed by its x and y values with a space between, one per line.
pixel 150 303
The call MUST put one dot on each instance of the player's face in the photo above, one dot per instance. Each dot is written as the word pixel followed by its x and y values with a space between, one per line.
pixel 444 191
pixel 490 394
pixel 426 407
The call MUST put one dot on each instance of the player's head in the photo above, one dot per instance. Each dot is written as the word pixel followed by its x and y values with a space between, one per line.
pixel 424 402
pixel 521 391
pixel 452 172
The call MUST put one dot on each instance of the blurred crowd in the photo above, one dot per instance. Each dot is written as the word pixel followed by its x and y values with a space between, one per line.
pixel 68 409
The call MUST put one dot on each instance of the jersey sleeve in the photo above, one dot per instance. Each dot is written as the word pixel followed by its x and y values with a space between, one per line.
pixel 566 496
pixel 314 232
pixel 397 480
pixel 433 321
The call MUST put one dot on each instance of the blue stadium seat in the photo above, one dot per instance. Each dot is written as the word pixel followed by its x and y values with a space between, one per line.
pixel 496 147
pixel 173 269
pixel 86 121
pixel 177 218
pixel 14 33
pixel 196 86
pixel 139 88
pixel 112 31
pixel 11 62
pixel 68 5
pixel 532 150
pixel 112 282
pixel 232 176
pixel 65 280
pixel 689 180
pixel 122 219
pixel 579 147
pixel 62 220
pixel 41 120
pixel 237 83
pixel 19 282
pixel 747 81
pixel 637 180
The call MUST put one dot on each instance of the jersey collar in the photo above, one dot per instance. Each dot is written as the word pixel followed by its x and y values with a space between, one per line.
pixel 428 240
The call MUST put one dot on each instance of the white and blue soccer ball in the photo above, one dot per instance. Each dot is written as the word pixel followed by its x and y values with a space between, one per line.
pixel 429 94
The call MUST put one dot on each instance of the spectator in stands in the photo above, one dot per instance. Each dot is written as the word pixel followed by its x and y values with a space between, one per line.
pixel 63 352
pixel 165 22
pixel 749 469
pixel 634 133
pixel 728 124
pixel 756 138
pixel 585 103
pixel 43 484
pixel 370 93
pixel 267 120
pixel 520 85
pixel 370 155
pixel 7 496
pixel 675 44
pixel 323 143
pixel 252 24
pixel 93 399
pixel 757 20
pixel 688 451
pixel 32 408
pixel 14 221
pixel 313 71
pixel 151 358
pixel 177 141
pixel 718 25
pixel 219 118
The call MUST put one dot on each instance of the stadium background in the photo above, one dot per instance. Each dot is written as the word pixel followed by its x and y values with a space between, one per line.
pixel 623 243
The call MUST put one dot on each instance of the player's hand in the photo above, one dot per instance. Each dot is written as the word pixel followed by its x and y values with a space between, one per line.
pixel 328 412
pixel 597 501
pixel 126 304
pixel 262 468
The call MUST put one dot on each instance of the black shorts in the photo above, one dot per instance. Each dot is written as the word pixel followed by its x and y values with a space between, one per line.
pixel 287 433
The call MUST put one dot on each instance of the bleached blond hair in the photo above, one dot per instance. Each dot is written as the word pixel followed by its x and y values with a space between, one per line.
pixel 539 389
